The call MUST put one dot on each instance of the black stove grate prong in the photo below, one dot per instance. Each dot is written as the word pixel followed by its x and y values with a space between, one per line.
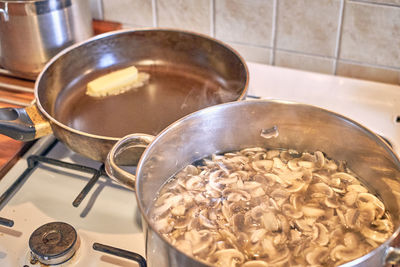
pixel 88 186
pixel 32 160
pixel 6 222
pixel 121 253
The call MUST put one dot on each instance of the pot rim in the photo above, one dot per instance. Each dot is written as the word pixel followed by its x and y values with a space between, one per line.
pixel 370 133
pixel 116 33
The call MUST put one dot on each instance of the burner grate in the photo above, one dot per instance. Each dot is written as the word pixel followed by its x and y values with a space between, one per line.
pixel 120 253
pixel 33 162
pixel 6 222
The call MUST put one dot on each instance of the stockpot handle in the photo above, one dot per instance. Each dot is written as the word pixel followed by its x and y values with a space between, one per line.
pixel 113 170
pixel 392 256
pixel 4 11
pixel 24 124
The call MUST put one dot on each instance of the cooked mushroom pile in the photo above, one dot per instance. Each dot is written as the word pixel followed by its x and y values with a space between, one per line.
pixel 259 207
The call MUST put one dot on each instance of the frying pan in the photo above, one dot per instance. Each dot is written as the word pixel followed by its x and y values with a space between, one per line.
pixel 188 72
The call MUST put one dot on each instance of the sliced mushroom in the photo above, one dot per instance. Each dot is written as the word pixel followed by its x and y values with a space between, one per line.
pixel 164 225
pixel 258 192
pixel 281 258
pixel 350 198
pixel 257 235
pixel 227 258
pixel 238 222
pixel 270 221
pixel 312 211
pixel 205 245
pixel 273 153
pixel 262 165
pixel 306 164
pixel 277 163
pixel 357 188
pixel 236 195
pixel 344 254
pixel 321 188
pixel 178 210
pixel 331 203
pixel 320 234
pixel 184 246
pixel 284 223
pixel 351 240
pixel 294 165
pixel 345 177
pixel 206 222
pixel 251 186
pixel 268 246
pixel 352 218
pixel 194 183
pixel 296 187
pixel 308 157
pixel 273 178
pixel 364 198
pixel 317 256
pixel 256 213
pixel 377 236
pixel 383 225
pixel 302 225
pixel 255 264
pixel 290 211
pixel 320 159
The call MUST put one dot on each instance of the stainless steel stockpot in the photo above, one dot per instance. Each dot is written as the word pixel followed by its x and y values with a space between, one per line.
pixel 32 32
pixel 265 123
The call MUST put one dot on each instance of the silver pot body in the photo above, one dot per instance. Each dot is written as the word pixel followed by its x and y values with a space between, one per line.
pixel 32 32
pixel 271 124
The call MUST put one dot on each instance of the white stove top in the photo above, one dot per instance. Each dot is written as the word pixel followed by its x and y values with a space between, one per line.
pixel 108 214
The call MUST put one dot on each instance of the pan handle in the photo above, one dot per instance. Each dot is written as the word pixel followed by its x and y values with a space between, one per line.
pixel 129 142
pixel 23 124
pixel 4 12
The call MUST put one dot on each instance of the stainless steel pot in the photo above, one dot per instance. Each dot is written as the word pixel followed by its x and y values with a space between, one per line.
pixel 271 124
pixel 32 32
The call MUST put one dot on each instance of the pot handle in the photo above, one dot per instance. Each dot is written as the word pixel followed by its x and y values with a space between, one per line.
pixel 392 255
pixel 4 11
pixel 113 170
pixel 24 124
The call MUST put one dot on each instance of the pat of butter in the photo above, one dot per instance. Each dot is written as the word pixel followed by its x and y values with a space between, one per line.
pixel 116 82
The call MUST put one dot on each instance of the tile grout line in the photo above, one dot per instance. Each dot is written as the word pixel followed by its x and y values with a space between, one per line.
pixel 365 64
pixel 154 12
pixel 338 36
pixel 100 9
pixel 212 18
pixel 273 34
pixel 374 3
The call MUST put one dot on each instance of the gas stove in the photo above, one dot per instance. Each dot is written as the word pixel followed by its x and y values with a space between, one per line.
pixel 53 194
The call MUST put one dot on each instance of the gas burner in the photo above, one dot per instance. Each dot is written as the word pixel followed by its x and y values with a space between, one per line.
pixel 53 243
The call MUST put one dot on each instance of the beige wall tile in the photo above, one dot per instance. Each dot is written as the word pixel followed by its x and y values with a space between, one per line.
pixel 371 34
pixel 308 26
pixel 368 73
pixel 132 12
pixel 246 22
pixel 193 15
pixel 253 53
pixel 303 62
